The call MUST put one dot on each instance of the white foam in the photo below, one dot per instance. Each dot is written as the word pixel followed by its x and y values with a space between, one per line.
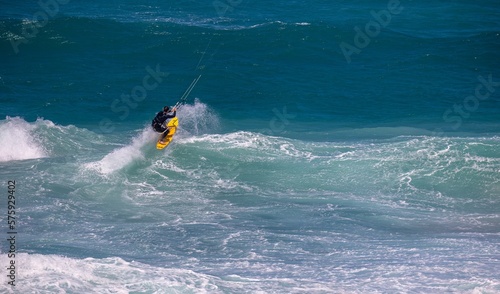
pixel 255 273
pixel 197 119
pixel 38 273
pixel 59 274
pixel 19 141
pixel 123 156
pixel 265 145
pixel 240 139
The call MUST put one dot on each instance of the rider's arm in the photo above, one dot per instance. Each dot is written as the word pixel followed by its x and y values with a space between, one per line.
pixel 172 115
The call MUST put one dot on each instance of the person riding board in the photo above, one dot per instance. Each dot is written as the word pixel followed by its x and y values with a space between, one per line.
pixel 159 121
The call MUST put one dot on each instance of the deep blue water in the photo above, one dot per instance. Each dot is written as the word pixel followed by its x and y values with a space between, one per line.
pixel 347 147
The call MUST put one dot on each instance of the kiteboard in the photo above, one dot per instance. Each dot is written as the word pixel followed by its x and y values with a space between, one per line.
pixel 172 128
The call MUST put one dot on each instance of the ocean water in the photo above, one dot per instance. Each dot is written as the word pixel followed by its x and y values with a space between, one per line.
pixel 328 147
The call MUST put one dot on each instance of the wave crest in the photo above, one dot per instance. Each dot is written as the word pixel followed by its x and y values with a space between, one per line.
pixel 20 140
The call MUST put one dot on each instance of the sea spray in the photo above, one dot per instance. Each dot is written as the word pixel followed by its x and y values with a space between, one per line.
pixel 121 157
pixel 197 119
pixel 19 140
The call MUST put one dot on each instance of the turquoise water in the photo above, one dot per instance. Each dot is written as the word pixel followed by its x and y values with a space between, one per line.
pixel 327 147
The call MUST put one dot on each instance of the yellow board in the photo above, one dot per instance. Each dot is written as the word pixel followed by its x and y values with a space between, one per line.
pixel 172 128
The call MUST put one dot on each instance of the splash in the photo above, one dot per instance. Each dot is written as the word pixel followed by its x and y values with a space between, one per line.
pixel 197 119
pixel 19 140
pixel 123 156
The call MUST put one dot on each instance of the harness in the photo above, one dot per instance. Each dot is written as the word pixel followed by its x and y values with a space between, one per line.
pixel 156 122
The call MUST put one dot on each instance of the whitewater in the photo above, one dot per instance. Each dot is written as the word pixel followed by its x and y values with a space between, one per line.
pixel 248 212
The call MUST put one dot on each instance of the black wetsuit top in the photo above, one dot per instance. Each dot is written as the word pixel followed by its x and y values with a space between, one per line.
pixel 159 119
